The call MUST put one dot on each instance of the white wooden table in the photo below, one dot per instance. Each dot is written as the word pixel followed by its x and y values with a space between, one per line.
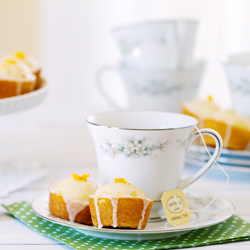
pixel 66 147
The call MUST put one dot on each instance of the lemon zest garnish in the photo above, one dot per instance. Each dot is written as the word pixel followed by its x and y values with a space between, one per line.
pixel 120 180
pixel 106 193
pixel 129 183
pixel 88 186
pixel 210 98
pixel 81 178
pixel 10 61
pixel 133 193
pixel 20 55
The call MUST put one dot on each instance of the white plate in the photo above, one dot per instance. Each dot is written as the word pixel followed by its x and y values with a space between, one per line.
pixel 220 210
pixel 22 102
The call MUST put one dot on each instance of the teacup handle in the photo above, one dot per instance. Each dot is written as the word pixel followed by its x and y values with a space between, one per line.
pixel 218 147
pixel 100 84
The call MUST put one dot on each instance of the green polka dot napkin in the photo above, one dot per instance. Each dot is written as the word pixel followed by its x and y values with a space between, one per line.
pixel 231 230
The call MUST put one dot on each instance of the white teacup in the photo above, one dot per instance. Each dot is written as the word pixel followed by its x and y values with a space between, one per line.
pixel 154 90
pixel 166 44
pixel 238 72
pixel 147 148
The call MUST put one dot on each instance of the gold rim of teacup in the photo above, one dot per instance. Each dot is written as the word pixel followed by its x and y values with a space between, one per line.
pixel 137 129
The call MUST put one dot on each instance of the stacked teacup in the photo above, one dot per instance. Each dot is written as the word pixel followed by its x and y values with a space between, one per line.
pixel 237 68
pixel 157 67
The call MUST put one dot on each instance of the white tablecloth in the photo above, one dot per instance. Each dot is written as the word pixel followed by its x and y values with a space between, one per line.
pixel 65 148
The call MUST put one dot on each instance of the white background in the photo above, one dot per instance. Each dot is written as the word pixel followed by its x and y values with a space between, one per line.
pixel 72 39
pixel 77 39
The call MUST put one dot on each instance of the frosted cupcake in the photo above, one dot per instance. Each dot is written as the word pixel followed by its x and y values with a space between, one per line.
pixel 31 62
pixel 121 205
pixel 233 128
pixel 69 198
pixel 15 78
pixel 200 109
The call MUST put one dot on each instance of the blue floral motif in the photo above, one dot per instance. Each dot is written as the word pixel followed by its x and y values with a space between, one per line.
pixel 243 86
pixel 158 87
pixel 137 147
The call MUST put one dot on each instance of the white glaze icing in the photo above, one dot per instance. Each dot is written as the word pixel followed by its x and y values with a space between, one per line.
pixel 120 190
pixel 145 205
pixel 201 108
pixel 97 212
pixel 114 201
pixel 114 191
pixel 19 88
pixel 28 60
pixel 231 119
pixel 13 70
pixel 74 208
pixel 201 124
pixel 74 190
pixel 75 194
pixel 228 135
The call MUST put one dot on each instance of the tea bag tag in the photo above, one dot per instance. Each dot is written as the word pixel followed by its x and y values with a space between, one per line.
pixel 175 213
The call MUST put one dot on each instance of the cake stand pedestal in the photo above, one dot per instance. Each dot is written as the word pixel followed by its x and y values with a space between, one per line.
pixel 22 102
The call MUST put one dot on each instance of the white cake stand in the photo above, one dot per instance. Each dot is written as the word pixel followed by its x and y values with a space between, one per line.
pixel 22 102
pixel 17 173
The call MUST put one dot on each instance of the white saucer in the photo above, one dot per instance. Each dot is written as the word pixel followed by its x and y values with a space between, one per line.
pixel 220 210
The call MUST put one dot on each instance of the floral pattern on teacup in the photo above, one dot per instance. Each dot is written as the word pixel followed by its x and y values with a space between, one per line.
pixel 243 86
pixel 137 147
pixel 157 87
pixel 108 150
pixel 180 143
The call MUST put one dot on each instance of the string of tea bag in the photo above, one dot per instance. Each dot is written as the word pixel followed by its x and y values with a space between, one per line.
pixel 198 210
